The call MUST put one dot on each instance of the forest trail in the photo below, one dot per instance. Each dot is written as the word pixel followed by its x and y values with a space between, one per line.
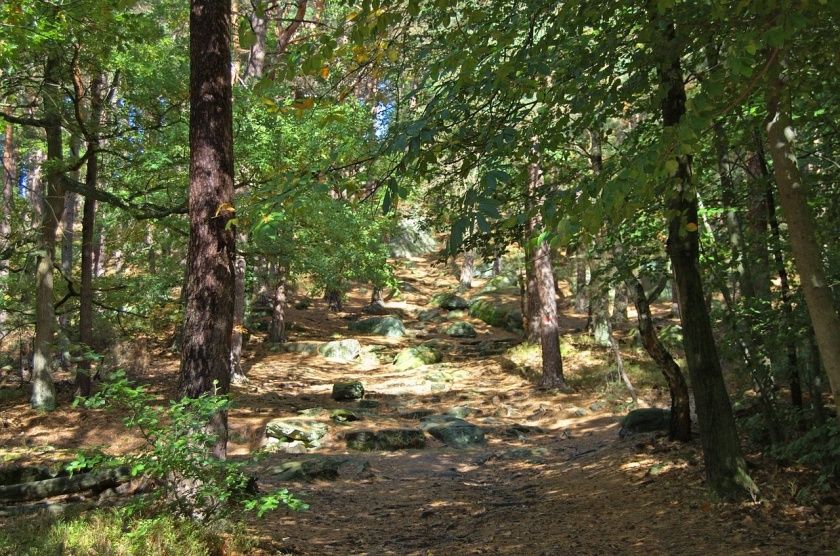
pixel 553 476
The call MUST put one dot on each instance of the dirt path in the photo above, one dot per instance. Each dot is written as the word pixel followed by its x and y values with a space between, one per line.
pixel 552 478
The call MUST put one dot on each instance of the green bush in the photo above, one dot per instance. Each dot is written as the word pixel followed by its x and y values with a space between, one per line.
pixel 177 455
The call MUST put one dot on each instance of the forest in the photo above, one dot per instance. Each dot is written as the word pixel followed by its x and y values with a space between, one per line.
pixel 419 277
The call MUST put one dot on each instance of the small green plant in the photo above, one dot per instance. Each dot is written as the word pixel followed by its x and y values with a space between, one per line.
pixel 177 455
pixel 820 448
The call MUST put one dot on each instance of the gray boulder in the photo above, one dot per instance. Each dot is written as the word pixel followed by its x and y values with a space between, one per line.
pixel 460 330
pixel 348 391
pixel 291 429
pixel 646 419
pixel 413 357
pixel 452 431
pixel 449 301
pixel 308 348
pixel 388 439
pixel 344 351
pixel 388 326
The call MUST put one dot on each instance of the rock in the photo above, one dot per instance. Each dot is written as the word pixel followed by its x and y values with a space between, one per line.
pixel 507 316
pixel 293 447
pixel 455 315
pixel 346 391
pixel 344 351
pixel 430 315
pixel 452 431
pixel 521 431
pixel 460 330
pixel 597 406
pixel 375 308
pixel 387 439
pixel 449 301
pixel 534 455
pixel 312 412
pixel 647 419
pixel 308 348
pixel 315 468
pixel 414 357
pixel 578 412
pixel 388 326
pixel 290 429
pixel 460 411
pixel 343 416
pixel 411 238
pixel 500 282
pixel 303 304
pixel 369 404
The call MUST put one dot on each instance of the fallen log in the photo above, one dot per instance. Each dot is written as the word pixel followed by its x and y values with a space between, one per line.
pixel 37 490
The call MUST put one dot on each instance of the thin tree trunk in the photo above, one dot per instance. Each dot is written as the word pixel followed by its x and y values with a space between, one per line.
pixel 256 54
pixel 237 373
pixel 277 328
pixel 532 301
pixel 726 469
pixel 333 298
pixel 43 390
pixel 793 197
pixel 9 182
pixel 540 261
pixel 581 284
pixel 36 185
pixel 465 281
pixel 208 318
pixel 620 302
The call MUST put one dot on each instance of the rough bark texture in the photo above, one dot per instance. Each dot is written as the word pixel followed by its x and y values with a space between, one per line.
pixel 333 299
pixel 208 317
pixel 43 390
pixel 726 469
pixel 256 54
pixel 581 296
pixel 532 304
pixel 540 260
pixel 620 302
pixel 804 245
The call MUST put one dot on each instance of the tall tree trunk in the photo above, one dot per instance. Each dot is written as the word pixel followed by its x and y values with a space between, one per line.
pixel 237 373
pixel 256 54
pixel 333 298
pixel 726 469
pixel 803 238
pixel 43 390
pixel 581 284
pixel 208 318
pixel 620 302
pixel 540 261
pixel 9 183
pixel 532 300
pixel 465 280
pixel 35 192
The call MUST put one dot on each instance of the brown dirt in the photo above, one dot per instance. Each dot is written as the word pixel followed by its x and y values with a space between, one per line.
pixel 573 488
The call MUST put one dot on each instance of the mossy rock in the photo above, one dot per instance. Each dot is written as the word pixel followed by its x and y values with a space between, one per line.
pixel 344 416
pixel 348 391
pixel 501 282
pixel 646 419
pixel 452 431
pixel 307 348
pixel 448 301
pixel 343 351
pixel 430 315
pixel 460 330
pixel 388 439
pixel 413 357
pixel 290 429
pixel 388 326
pixel 494 314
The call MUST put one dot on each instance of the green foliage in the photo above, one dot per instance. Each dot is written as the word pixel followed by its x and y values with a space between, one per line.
pixel 819 448
pixel 177 454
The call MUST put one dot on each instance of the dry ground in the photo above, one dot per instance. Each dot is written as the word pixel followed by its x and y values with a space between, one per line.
pixel 571 487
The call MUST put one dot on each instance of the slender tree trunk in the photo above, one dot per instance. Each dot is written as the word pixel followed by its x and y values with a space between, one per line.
pixel 680 425
pixel 36 185
pixel 497 262
pixel 620 302
pixel 237 373
pixel 581 284
pixel 43 390
pixel 9 182
pixel 333 298
pixel 726 469
pixel 98 248
pixel 803 239
pixel 256 54
pixel 465 281
pixel 540 261
pixel 532 301
pixel 208 318
pixel 277 328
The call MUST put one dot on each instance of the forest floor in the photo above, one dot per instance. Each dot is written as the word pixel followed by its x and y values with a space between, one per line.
pixel 552 478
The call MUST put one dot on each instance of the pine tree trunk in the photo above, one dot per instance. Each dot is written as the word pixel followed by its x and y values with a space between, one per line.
pixel 581 284
pixel 543 276
pixel 83 375
pixel 43 390
pixel 237 372
pixel 793 197
pixel 208 317
pixel 256 54
pixel 620 302
pixel 532 301
pixel 726 469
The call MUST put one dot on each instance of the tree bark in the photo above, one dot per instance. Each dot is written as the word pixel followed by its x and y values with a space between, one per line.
pixel 465 280
pixel 208 317
pixel 333 298
pixel 581 284
pixel 620 302
pixel 9 183
pixel 43 390
pixel 237 373
pixel 726 469
pixel 793 197
pixel 543 272
pixel 277 328
pixel 532 302
pixel 256 54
